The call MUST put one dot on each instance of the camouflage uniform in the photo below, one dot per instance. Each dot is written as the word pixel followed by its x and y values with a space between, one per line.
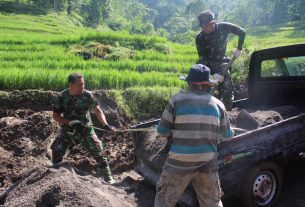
pixel 211 49
pixel 78 108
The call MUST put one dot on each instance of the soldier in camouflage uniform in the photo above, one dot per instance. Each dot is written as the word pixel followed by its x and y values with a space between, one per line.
pixel 211 44
pixel 72 108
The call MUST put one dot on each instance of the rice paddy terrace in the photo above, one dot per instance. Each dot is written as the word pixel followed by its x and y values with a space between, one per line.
pixel 40 51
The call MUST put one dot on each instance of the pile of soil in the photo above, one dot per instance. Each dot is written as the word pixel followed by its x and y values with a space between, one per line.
pixel 250 119
pixel 62 186
pixel 27 176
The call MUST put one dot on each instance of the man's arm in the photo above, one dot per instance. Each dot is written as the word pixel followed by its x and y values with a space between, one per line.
pixel 166 123
pixel 234 29
pixel 60 119
pixel 57 111
pixel 226 130
pixel 200 46
pixel 100 115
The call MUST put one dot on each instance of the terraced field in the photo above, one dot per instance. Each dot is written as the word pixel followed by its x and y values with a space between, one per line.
pixel 39 52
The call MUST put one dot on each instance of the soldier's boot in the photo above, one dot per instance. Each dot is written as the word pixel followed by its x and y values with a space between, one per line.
pixel 106 173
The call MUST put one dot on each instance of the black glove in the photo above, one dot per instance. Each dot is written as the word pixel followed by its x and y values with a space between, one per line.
pixel 76 125
pixel 109 128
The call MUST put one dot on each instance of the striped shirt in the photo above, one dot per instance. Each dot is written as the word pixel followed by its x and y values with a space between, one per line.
pixel 196 121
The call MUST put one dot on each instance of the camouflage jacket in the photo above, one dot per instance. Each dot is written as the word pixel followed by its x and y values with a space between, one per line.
pixel 75 107
pixel 212 47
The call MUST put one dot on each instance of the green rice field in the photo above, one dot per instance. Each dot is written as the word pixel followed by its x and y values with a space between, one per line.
pixel 35 53
pixel 38 52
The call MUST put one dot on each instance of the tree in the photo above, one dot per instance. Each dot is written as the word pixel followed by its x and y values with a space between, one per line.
pixel 280 11
pixel 41 4
pixel 96 11
pixel 296 10
pixel 194 8
pixel 106 9
pixel 70 7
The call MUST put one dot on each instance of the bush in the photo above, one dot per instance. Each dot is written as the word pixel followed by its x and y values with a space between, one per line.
pixel 147 103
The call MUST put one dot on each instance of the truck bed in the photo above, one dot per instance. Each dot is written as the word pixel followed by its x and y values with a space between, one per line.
pixel 269 130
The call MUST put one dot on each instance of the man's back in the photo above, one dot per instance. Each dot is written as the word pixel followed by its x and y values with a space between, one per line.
pixel 195 120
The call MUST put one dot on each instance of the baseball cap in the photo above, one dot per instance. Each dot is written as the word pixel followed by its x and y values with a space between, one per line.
pixel 205 17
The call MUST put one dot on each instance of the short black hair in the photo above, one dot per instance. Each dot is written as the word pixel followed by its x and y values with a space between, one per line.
pixel 73 77
pixel 202 87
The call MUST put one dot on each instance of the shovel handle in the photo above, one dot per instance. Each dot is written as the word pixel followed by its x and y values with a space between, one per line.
pixel 230 63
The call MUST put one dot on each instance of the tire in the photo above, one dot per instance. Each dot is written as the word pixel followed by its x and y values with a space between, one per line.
pixel 262 185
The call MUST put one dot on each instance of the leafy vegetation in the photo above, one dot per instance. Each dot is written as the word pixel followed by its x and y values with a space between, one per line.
pixel 175 19
pixel 149 102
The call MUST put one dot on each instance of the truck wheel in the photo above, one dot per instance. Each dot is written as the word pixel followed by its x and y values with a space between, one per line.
pixel 262 185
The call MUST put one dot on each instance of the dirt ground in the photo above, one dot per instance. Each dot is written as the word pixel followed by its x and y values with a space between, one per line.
pixel 27 177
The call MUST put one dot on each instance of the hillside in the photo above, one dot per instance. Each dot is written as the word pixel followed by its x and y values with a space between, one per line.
pixel 38 52
pixel 132 76
pixel 46 44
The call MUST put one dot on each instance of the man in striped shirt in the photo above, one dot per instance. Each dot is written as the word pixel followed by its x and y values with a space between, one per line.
pixel 195 121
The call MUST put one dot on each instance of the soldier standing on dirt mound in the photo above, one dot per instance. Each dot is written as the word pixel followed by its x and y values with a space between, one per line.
pixel 211 44
pixel 194 121
pixel 72 108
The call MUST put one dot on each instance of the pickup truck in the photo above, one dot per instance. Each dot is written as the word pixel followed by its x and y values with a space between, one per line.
pixel 252 162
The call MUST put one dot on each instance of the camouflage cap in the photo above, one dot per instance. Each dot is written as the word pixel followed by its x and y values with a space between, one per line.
pixel 205 17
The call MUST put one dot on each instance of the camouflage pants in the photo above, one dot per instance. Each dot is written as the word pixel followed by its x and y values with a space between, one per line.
pixel 225 89
pixel 87 138
pixel 171 186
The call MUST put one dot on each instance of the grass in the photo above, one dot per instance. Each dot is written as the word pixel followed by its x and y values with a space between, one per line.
pixel 148 103
pixel 265 36
pixel 38 52
pixel 95 79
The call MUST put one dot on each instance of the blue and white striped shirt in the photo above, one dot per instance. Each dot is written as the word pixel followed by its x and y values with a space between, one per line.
pixel 196 121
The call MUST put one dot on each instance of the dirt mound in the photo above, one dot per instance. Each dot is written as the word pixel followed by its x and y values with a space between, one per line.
pixel 254 118
pixel 62 186
pixel 26 133
pixel 24 139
